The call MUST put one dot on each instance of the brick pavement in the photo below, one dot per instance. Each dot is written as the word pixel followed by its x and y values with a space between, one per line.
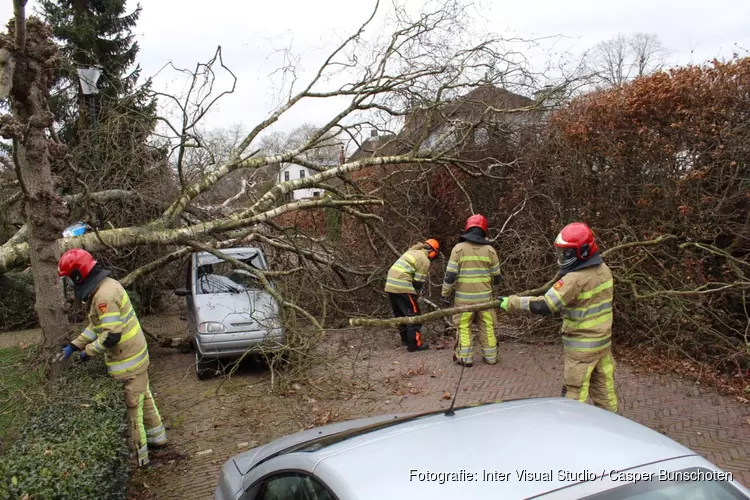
pixel 244 413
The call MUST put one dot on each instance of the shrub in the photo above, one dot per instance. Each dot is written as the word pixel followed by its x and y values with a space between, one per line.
pixel 17 309
pixel 73 446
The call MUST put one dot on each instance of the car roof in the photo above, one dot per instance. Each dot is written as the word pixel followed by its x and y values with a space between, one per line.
pixel 536 435
pixel 240 253
pixel 251 458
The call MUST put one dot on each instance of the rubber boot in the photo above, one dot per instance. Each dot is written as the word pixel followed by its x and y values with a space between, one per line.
pixel 414 348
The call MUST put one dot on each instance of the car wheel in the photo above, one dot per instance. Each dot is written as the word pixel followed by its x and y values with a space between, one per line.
pixel 204 369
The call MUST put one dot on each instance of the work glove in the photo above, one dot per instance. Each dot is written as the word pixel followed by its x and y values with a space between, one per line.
pixel 503 303
pixel 65 353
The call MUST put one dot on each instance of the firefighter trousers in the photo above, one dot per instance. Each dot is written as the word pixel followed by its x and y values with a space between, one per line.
pixel 485 321
pixel 591 375
pixel 405 304
pixel 145 427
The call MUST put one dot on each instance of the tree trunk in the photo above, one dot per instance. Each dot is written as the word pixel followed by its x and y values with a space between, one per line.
pixel 45 216
pixel 46 213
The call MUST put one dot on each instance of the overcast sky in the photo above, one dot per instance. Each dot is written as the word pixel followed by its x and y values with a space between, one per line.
pixel 188 31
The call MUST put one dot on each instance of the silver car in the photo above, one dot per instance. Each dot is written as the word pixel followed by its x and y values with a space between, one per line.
pixel 552 448
pixel 229 313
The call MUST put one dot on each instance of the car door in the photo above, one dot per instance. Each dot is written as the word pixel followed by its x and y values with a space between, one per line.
pixel 289 485
pixel 190 299
pixel 683 478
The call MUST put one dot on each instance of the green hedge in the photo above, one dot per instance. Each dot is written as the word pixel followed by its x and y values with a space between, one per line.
pixel 74 444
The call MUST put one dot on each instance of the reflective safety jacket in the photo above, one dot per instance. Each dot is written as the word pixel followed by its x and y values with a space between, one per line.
pixel 408 273
pixel 114 330
pixel 584 298
pixel 472 270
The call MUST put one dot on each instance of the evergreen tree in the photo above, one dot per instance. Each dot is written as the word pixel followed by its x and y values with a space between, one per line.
pixel 113 152
pixel 96 32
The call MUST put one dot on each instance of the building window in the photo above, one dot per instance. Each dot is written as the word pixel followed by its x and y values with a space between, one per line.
pixel 316 194
pixel 286 175
pixel 301 174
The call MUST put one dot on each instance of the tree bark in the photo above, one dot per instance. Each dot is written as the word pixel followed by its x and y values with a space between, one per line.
pixel 15 256
pixel 35 58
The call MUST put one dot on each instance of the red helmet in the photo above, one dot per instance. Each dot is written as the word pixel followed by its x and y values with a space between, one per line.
pixel 477 220
pixel 76 264
pixel 575 242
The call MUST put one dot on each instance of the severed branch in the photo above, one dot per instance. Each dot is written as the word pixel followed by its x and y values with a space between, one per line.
pixel 440 313
pixel 101 196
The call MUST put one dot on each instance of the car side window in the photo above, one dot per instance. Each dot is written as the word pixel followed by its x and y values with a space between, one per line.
pixel 189 275
pixel 292 486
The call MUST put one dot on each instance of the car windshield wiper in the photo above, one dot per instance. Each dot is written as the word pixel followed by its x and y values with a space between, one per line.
pixel 220 284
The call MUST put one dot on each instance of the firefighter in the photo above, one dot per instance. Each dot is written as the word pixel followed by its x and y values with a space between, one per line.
pixel 584 297
pixel 473 269
pixel 405 280
pixel 114 331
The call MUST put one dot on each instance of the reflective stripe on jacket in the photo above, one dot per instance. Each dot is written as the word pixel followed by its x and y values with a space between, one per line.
pixel 585 300
pixel 471 269
pixel 411 267
pixel 114 330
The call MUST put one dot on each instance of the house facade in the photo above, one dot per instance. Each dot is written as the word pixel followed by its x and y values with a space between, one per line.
pixel 291 172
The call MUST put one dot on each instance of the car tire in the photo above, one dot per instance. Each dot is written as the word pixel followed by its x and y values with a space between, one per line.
pixel 204 369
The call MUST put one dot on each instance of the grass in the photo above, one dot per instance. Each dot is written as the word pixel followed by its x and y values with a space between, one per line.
pixel 20 389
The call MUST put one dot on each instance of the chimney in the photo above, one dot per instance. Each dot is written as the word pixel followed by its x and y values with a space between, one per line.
pixel 342 157
pixel 373 133
pixel 544 93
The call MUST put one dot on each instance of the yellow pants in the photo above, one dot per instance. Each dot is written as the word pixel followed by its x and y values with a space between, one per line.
pixel 145 427
pixel 593 376
pixel 485 321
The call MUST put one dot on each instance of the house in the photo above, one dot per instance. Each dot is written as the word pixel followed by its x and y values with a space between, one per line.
pixel 487 113
pixel 490 115
pixel 486 109
pixel 290 172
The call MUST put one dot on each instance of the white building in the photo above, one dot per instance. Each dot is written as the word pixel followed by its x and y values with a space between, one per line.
pixel 290 172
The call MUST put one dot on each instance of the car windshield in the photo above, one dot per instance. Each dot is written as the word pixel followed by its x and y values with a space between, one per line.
pixel 688 484
pixel 226 277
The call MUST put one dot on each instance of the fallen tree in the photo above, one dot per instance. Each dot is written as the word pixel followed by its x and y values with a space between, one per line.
pixel 413 70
